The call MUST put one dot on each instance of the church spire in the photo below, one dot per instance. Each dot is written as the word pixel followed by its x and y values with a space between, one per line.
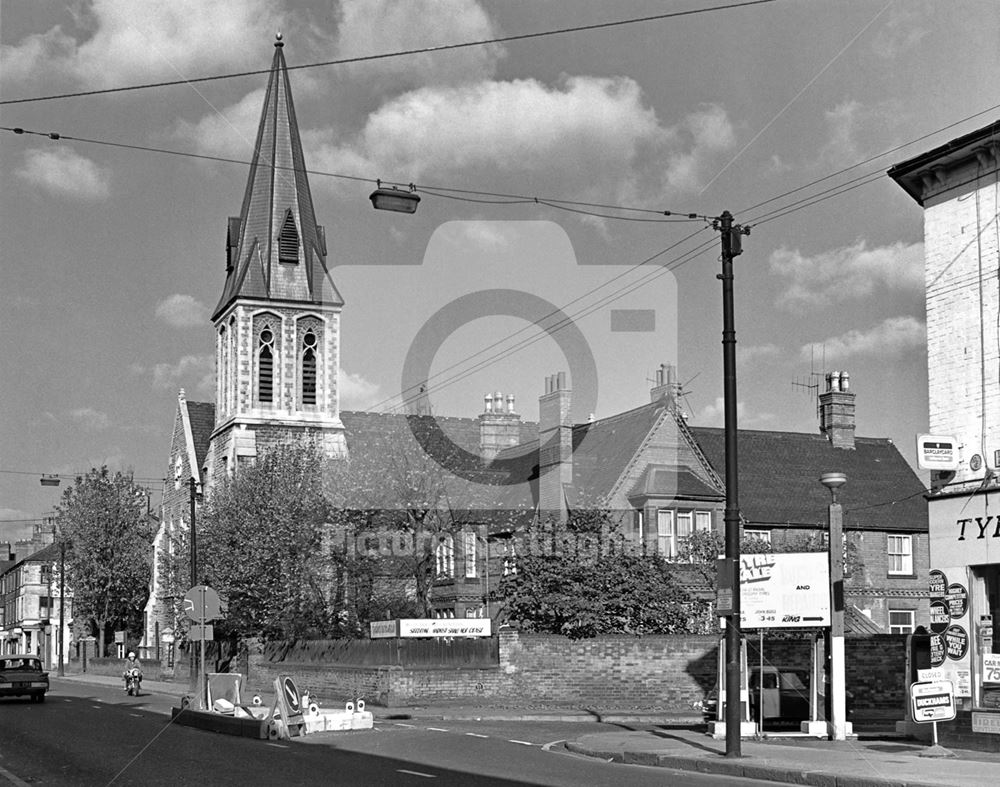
pixel 275 249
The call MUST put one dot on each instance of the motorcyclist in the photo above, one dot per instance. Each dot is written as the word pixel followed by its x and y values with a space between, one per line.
pixel 131 662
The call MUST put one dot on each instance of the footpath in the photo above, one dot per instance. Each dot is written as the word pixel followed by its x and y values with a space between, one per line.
pixel 876 759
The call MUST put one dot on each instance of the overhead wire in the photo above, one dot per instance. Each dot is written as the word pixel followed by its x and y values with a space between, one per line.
pixel 400 53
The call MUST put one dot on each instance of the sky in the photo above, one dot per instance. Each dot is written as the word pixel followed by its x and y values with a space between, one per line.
pixel 112 258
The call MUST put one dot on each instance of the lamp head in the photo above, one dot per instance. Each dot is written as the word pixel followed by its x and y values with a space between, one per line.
pixel 833 481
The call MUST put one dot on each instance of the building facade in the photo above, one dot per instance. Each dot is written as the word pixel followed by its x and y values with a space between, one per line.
pixel 957 186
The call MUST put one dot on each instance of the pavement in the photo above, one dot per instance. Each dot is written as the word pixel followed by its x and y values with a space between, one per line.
pixel 679 741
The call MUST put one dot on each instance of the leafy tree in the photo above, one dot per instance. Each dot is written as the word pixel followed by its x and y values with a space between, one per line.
pixel 588 584
pixel 260 545
pixel 103 520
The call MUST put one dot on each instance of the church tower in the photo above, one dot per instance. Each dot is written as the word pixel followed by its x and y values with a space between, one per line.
pixel 277 324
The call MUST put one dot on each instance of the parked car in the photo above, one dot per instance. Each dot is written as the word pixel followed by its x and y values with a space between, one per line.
pixel 21 675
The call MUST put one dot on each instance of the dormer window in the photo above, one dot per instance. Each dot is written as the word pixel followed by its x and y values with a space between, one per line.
pixel 288 240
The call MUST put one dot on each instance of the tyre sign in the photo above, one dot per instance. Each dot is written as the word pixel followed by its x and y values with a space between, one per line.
pixel 956 642
pixel 938 584
pixel 937 650
pixel 940 618
pixel 958 600
pixel 932 701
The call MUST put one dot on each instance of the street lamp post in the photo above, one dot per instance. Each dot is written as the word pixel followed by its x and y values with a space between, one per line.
pixel 731 247
pixel 837 723
pixel 62 607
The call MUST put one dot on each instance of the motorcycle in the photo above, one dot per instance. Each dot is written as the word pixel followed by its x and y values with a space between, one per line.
pixel 133 679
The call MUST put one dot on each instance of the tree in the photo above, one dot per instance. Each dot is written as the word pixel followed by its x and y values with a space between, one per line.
pixel 260 545
pixel 582 579
pixel 108 532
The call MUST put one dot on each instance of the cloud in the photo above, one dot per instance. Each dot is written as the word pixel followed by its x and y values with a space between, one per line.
pixel 229 132
pixel 853 128
pixel 90 419
pixel 63 172
pixel 903 30
pixel 531 129
pixel 194 372
pixel 754 353
pixel 118 42
pixel 182 311
pixel 357 393
pixel 849 272
pixel 368 27
pixel 892 337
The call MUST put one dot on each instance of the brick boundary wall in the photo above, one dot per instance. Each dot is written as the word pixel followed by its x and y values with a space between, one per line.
pixel 665 672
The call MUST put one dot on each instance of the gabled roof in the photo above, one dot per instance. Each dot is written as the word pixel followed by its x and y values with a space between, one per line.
pixel 201 416
pixel 603 453
pixel 277 188
pixel 779 480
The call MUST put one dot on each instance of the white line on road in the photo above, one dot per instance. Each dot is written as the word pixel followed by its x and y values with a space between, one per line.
pixel 523 743
pixel 437 729
pixel 401 724
pixel 278 745
pixel 476 735
pixel 12 778
pixel 412 773
pixel 137 715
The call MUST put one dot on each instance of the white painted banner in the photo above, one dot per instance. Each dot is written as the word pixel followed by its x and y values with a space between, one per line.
pixel 431 627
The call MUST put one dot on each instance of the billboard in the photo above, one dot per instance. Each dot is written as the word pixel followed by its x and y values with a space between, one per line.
pixel 785 590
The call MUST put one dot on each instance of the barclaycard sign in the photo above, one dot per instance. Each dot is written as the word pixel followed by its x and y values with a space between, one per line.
pixel 937 452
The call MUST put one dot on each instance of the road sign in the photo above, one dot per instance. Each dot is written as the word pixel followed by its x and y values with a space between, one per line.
pixel 202 604
pixel 201 632
pixel 933 701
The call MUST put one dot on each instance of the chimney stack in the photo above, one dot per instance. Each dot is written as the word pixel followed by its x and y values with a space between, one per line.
pixel 555 446
pixel 498 428
pixel 836 410
pixel 666 385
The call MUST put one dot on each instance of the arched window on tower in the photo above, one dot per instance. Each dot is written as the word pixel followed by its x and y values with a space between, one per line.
pixel 288 240
pixel 265 366
pixel 222 364
pixel 309 368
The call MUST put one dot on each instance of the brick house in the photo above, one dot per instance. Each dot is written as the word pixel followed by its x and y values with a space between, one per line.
pixel 30 603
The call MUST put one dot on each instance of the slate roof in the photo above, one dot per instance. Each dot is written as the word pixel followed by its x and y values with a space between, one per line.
pixel 202 418
pixel 277 184
pixel 602 451
pixel 779 480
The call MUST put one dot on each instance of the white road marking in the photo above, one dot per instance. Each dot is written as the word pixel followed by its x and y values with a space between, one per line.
pixel 412 773
pixel 437 729
pixel 278 745
pixel 137 715
pixel 523 743
pixel 13 779
pixel 401 724
pixel 476 735
pixel 548 746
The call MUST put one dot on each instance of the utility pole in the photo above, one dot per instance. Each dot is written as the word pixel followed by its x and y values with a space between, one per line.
pixel 193 494
pixel 731 247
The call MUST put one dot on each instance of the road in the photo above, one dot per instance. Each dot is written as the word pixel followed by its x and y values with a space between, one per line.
pixel 92 735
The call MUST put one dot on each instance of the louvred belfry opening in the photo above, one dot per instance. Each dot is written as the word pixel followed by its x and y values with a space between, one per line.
pixel 288 240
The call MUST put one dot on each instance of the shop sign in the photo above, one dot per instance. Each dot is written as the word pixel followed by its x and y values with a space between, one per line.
pixel 938 584
pixel 986 722
pixel 958 600
pixel 991 668
pixel 937 650
pixel 940 618
pixel 932 701
pixel 956 643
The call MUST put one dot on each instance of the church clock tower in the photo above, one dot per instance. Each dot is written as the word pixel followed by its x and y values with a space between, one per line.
pixel 277 324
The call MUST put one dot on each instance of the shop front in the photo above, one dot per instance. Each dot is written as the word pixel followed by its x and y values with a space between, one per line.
pixel 964 598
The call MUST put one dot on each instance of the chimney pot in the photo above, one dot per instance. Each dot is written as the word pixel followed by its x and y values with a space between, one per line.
pixel 510 403
pixel 488 399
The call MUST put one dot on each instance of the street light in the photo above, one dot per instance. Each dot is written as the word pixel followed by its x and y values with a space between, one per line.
pixel 394 199
pixel 838 726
